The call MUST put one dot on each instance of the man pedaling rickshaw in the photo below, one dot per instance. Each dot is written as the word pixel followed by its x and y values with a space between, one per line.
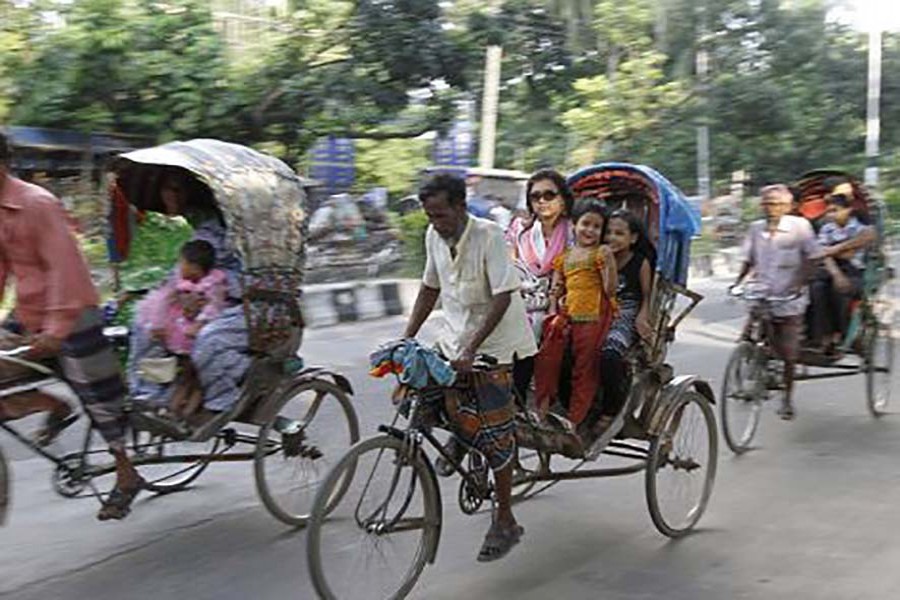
pixel 56 314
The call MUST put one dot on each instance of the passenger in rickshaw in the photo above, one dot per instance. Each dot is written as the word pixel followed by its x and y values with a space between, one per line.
pixel 56 309
pixel 468 268
pixel 220 351
pixel 635 260
pixel 585 275
pixel 177 311
pixel 781 251
pixel 839 280
pixel 535 242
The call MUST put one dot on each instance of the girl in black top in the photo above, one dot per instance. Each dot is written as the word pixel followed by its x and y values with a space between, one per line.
pixel 636 260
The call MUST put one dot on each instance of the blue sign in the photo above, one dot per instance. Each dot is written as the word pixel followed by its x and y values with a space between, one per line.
pixel 455 150
pixel 332 161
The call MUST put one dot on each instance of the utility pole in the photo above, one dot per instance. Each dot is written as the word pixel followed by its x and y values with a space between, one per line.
pixel 702 66
pixel 873 118
pixel 489 104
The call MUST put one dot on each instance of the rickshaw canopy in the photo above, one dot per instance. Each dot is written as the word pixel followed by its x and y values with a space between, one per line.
pixel 262 202
pixel 261 199
pixel 644 191
pixel 813 194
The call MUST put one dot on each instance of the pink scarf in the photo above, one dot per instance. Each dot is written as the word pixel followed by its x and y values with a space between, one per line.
pixel 528 254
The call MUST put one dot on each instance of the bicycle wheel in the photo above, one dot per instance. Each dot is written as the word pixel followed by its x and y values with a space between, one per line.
pixel 879 364
pixel 382 529
pixel 741 400
pixel 682 465
pixel 312 427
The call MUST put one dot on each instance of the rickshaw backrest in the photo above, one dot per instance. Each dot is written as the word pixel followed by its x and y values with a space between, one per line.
pixel 263 203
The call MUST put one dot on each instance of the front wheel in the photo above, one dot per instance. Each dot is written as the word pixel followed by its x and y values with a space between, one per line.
pixel 682 465
pixel 312 427
pixel 375 522
pixel 879 364
pixel 743 390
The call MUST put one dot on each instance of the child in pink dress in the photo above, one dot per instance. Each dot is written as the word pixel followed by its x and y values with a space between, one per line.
pixel 178 310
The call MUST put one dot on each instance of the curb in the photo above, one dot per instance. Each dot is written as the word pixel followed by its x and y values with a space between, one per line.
pixel 330 304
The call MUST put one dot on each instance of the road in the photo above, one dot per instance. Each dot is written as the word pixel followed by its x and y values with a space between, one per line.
pixel 811 514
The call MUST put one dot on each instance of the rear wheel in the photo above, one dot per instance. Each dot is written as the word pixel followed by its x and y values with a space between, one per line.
pixel 743 390
pixel 682 465
pixel 375 523
pixel 879 364
pixel 312 427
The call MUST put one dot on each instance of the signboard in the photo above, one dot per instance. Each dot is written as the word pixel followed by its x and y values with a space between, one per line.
pixel 332 162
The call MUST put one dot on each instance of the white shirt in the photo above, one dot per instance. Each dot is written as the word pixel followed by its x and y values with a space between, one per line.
pixel 780 260
pixel 482 269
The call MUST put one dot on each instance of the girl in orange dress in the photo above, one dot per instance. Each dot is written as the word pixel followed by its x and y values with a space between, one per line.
pixel 582 306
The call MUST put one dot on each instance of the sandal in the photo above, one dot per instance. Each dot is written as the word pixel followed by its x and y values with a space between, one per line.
pixel 118 504
pixel 499 541
pixel 786 411
pixel 54 425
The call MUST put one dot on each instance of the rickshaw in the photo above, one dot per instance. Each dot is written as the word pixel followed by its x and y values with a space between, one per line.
pixel 753 374
pixel 377 518
pixel 291 420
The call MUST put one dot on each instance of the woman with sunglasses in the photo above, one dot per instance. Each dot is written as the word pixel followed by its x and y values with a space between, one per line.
pixel 535 241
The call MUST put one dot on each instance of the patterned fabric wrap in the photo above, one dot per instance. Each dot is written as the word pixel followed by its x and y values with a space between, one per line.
pixel 90 367
pixel 254 191
pixel 481 412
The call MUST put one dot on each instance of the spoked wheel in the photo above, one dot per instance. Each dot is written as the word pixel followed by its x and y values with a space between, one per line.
pixel 682 465
pixel 743 391
pixel 312 426
pixel 528 462
pixel 375 523
pixel 879 364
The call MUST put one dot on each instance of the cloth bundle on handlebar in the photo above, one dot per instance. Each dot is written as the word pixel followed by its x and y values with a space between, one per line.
pixel 414 365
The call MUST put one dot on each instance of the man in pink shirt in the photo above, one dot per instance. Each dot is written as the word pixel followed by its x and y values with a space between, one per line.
pixel 56 309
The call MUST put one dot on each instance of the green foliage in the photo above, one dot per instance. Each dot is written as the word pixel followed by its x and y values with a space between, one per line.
pixel 393 164
pixel 412 233
pixel 154 250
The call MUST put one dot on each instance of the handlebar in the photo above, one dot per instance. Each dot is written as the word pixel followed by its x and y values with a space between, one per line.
pixel 753 296
pixel 19 352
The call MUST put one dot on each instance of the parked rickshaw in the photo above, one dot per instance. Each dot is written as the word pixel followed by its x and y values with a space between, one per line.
pixel 291 420
pixel 754 374
pixel 377 518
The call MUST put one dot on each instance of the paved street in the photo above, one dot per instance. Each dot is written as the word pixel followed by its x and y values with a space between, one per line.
pixel 811 514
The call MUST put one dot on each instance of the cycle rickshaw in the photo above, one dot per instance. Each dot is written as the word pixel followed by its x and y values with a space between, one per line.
pixel 754 375
pixel 291 421
pixel 377 517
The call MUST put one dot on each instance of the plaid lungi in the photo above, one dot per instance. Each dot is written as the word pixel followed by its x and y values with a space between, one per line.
pixel 90 367
pixel 481 412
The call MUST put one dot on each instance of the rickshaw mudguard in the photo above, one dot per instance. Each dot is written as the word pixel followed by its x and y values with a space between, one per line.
pixel 311 373
pixel 672 391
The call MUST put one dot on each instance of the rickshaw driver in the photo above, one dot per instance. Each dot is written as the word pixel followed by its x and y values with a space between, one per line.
pixel 468 268
pixel 781 250
pixel 56 305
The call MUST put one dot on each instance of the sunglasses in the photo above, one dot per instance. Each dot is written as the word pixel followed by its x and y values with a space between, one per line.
pixel 545 196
